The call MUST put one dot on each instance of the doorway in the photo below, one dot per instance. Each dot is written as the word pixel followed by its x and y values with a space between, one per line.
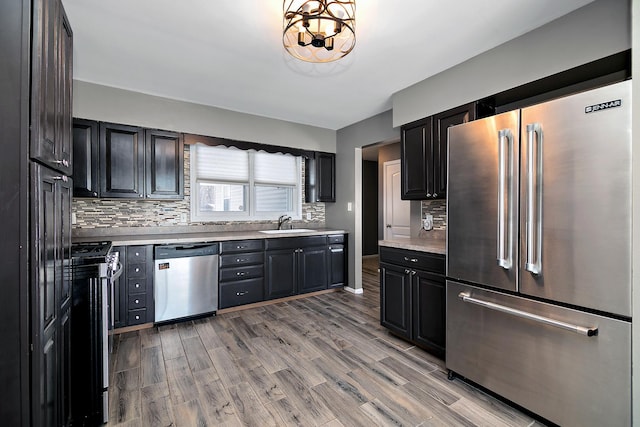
pixel 397 212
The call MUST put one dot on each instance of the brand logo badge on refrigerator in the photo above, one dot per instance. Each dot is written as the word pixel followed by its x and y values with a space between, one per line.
pixel 603 106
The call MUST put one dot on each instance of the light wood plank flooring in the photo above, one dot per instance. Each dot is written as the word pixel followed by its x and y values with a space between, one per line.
pixel 319 361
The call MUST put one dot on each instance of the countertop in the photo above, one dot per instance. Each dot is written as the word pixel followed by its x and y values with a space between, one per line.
pixel 435 246
pixel 197 236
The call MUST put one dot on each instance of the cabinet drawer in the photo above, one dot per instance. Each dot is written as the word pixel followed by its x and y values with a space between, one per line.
pixel 295 242
pixel 242 246
pixel 137 301
pixel 336 238
pixel 136 254
pixel 240 273
pixel 413 259
pixel 241 259
pixel 241 292
pixel 136 285
pixel 137 317
pixel 136 271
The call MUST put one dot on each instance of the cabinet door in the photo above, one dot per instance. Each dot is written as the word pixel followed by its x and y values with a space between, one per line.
pixel 49 85
pixel 441 124
pixel 85 158
pixel 164 164
pixel 121 161
pixel 429 321
pixel 280 269
pixel 65 93
pixel 119 292
pixel 416 152
pixel 337 265
pixel 326 177
pixel 395 299
pixel 51 231
pixel 312 269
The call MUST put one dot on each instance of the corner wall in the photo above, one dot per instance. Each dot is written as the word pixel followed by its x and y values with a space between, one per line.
pixel 349 183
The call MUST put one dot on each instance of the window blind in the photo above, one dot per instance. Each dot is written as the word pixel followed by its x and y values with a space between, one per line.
pixel 275 168
pixel 221 163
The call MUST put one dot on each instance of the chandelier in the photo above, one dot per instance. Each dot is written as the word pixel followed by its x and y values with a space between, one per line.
pixel 319 30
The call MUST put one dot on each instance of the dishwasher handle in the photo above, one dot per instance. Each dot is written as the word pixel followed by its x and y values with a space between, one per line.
pixel 184 251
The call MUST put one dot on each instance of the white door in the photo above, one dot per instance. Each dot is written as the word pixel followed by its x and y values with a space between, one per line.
pixel 396 210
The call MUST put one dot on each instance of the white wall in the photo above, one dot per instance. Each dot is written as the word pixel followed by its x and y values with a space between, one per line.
pixel 97 102
pixel 592 32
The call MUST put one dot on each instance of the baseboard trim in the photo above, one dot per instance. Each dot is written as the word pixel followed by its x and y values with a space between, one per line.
pixel 357 291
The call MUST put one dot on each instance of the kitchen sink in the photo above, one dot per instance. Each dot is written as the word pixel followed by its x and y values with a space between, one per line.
pixel 288 231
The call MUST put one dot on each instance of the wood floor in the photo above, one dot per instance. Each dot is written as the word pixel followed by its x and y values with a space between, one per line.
pixel 318 361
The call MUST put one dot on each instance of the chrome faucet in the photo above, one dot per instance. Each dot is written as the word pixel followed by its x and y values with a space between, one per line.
pixel 282 220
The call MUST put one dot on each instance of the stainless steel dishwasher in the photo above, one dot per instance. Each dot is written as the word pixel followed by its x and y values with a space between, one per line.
pixel 185 280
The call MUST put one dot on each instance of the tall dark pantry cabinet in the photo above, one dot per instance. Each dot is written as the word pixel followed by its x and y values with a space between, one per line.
pixel 36 45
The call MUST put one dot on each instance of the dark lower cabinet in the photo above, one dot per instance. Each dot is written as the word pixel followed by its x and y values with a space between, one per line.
pixel 133 291
pixel 337 260
pixel 295 265
pixel 241 274
pixel 412 300
pixel 51 296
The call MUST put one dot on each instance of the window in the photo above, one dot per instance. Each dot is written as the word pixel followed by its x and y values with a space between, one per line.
pixel 232 184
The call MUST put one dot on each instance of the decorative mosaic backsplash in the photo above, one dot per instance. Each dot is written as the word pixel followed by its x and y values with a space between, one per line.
pixel 437 208
pixel 103 213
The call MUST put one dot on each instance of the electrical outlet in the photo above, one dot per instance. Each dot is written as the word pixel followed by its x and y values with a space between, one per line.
pixel 74 219
pixel 308 216
pixel 183 217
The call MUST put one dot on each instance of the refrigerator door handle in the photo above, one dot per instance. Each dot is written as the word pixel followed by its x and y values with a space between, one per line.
pixel 533 262
pixel 505 199
pixel 581 330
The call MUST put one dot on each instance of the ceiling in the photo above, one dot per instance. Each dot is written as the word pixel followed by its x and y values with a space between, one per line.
pixel 229 53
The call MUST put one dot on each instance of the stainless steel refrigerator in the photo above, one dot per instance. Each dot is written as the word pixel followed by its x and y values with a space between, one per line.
pixel 539 256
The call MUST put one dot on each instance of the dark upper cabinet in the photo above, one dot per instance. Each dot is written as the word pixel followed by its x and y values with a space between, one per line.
pixel 441 124
pixel 416 152
pixel 51 85
pixel 164 169
pixel 133 162
pixel 121 161
pixel 85 158
pixel 320 178
pixel 423 153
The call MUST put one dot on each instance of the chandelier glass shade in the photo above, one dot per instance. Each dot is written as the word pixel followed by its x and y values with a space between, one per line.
pixel 319 30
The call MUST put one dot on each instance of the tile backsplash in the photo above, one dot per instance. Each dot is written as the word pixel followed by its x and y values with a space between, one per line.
pixel 437 208
pixel 110 213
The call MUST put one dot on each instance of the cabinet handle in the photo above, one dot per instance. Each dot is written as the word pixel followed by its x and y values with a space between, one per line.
pixel 95 194
pixel 137 301
pixel 137 253
pixel 137 285
pixel 242 293
pixel 435 195
pixel 62 162
pixel 413 272
pixel 137 317
pixel 140 195
pixel 240 260
pixel 240 273
pixel 411 259
pixel 137 270
pixel 60 178
pixel 407 271
pixel 428 194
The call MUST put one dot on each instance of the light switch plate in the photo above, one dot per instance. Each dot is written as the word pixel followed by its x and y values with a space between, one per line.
pixel 349 206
